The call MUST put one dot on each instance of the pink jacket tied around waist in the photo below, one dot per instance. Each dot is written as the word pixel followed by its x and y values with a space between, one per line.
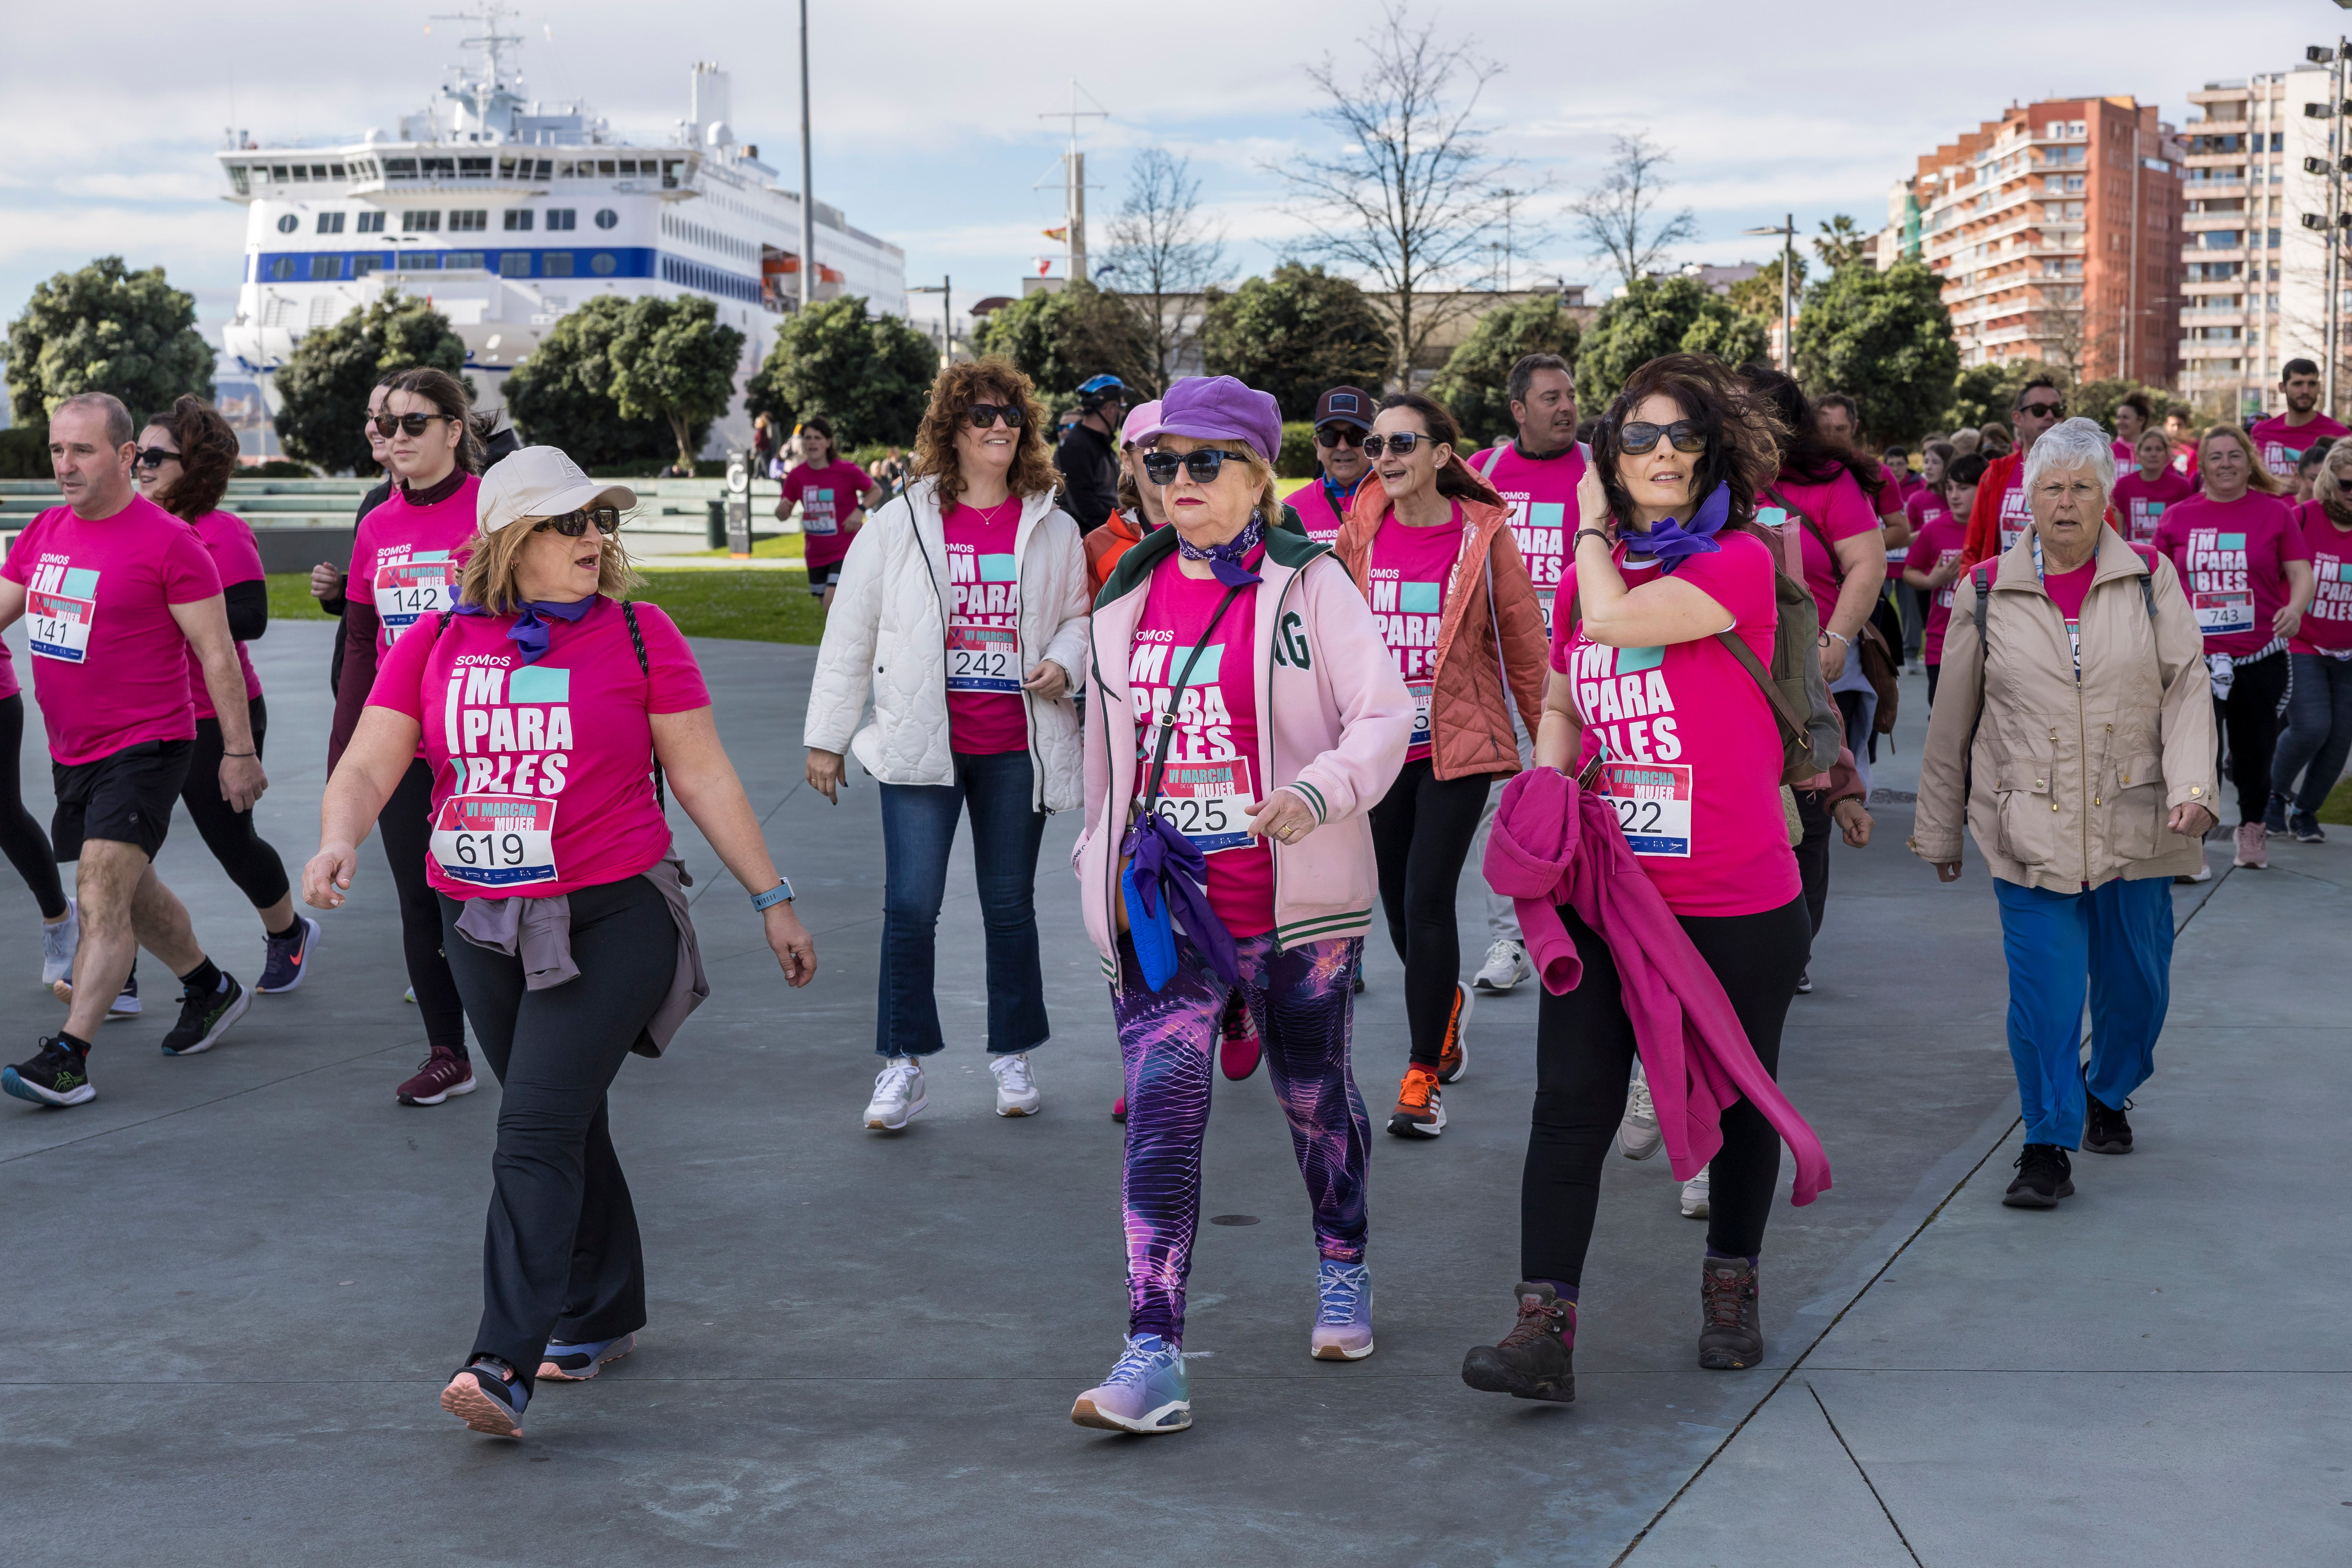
pixel 1548 847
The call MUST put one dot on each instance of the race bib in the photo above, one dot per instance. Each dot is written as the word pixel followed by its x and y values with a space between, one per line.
pixel 424 584
pixel 816 512
pixel 1544 597
pixel 1209 803
pixel 2217 613
pixel 1653 801
pixel 495 840
pixel 984 658
pixel 58 626
pixel 1421 693
pixel 2016 517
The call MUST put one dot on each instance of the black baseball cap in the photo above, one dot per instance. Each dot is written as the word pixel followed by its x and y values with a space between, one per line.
pixel 1347 405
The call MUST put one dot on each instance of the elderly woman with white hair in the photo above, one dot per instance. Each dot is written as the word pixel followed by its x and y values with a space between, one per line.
pixel 2075 739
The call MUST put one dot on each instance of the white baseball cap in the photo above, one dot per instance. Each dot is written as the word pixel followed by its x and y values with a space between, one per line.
pixel 542 481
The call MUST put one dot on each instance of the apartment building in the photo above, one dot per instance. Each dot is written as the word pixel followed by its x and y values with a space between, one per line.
pixel 2234 251
pixel 2056 230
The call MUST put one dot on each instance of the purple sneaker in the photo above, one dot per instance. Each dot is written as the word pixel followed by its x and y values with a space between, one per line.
pixel 1343 1324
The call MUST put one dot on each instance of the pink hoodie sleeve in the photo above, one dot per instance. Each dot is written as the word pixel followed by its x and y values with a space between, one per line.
pixel 1357 676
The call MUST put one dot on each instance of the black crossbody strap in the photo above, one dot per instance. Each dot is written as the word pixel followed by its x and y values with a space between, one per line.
pixel 645 668
pixel 1176 698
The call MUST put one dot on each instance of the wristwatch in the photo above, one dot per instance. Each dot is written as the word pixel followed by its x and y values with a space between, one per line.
pixel 781 893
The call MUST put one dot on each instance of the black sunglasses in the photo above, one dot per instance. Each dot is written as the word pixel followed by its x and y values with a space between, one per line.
pixel 572 524
pixel 389 425
pixel 2043 410
pixel 984 414
pixel 1161 467
pixel 1640 436
pixel 1338 435
pixel 156 456
pixel 1401 443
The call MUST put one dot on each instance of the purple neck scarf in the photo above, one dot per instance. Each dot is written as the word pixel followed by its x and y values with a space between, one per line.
pixel 530 632
pixel 1671 542
pixel 1226 559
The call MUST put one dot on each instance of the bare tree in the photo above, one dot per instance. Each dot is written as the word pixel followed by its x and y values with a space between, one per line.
pixel 1620 215
pixel 1411 199
pixel 1164 254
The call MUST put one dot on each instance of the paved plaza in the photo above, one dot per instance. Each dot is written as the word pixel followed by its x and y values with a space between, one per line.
pixel 236 1282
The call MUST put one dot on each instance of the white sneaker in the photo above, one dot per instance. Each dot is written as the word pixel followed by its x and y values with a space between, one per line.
pixel 1506 965
pixel 898 1094
pixel 1017 1092
pixel 1638 1137
pixel 1695 1196
pixel 58 944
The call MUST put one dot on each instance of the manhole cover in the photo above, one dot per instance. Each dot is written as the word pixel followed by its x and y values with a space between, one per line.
pixel 1233 1219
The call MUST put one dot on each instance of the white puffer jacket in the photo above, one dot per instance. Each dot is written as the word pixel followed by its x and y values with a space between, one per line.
pixel 886 634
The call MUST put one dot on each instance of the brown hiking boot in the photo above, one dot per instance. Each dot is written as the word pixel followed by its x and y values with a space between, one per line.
pixel 1537 1358
pixel 1730 1335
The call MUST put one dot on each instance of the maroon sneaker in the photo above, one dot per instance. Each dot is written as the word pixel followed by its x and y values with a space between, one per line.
pixel 1238 1046
pixel 444 1073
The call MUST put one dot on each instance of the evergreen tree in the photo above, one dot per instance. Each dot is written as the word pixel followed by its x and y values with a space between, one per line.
pixel 323 388
pixel 1476 383
pixel 869 375
pixel 1297 334
pixel 106 328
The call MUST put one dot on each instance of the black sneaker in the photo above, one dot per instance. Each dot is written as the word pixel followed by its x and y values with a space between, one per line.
pixel 57 1075
pixel 2306 828
pixel 2274 815
pixel 2044 1176
pixel 1731 1332
pixel 2105 1132
pixel 1536 1360
pixel 488 1397
pixel 1805 983
pixel 204 1019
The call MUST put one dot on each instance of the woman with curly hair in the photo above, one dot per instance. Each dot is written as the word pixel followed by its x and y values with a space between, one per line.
pixel 186 459
pixel 961 610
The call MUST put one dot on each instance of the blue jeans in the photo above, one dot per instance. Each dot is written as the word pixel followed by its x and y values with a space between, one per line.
pixel 918 825
pixel 2318 734
pixel 2117 941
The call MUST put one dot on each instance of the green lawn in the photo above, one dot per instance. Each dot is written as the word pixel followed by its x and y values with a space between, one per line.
pixel 2337 806
pixel 765 605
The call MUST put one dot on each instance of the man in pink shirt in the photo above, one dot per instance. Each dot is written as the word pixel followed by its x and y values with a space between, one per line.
pixel 2283 438
pixel 115 591
pixel 1343 416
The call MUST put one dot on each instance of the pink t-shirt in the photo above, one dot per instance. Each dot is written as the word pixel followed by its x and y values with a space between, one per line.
pixel 2126 458
pixel 1408 575
pixel 238 560
pixel 2232 557
pixel 2066 590
pixel 1214 755
pixel 404 557
pixel 1322 507
pixel 110 664
pixel 2327 624
pixel 827 496
pixel 985 712
pixel 1838 509
pixel 542 773
pixel 2140 503
pixel 1924 507
pixel 1692 748
pixel 1541 495
pixel 1938 544
pixel 2016 514
pixel 2281 445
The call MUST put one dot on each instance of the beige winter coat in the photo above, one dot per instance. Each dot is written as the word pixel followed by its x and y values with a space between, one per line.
pixel 2072 784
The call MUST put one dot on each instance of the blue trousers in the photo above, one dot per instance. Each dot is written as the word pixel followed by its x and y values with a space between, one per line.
pixel 2116 942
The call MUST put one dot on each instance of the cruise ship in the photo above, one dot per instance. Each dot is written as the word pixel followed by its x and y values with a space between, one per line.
pixel 506 212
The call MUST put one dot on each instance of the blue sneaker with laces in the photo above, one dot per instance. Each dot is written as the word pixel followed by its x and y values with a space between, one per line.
pixel 566 1362
pixel 1146 1392
pixel 1343 1324
pixel 487 1396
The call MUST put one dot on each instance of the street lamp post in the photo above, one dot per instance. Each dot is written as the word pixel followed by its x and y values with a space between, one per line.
pixel 1788 232
pixel 808 196
pixel 945 289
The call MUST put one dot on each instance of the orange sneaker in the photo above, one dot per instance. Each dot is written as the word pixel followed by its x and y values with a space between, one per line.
pixel 1451 1061
pixel 1420 1111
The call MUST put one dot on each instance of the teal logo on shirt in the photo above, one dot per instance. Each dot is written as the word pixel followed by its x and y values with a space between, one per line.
pixel 1547 513
pixel 538 683
pixel 1629 659
pixel 81 582
pixel 428 555
pixel 2230 542
pixel 1417 598
pixel 1211 657
pixel 999 569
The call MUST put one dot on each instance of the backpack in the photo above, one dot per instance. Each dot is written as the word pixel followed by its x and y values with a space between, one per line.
pixel 1879 666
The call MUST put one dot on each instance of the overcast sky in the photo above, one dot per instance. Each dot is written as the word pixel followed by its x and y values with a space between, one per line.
pixel 928 111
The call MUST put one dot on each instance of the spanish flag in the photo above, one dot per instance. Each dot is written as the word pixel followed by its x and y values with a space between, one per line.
pixel 1062 234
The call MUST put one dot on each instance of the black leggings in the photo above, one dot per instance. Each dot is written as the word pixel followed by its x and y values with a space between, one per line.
pixel 2249 717
pixel 1421 833
pixel 1585 1060
pixel 228 833
pixel 27 847
pixel 561 1259
pixel 1813 856
pixel 406 825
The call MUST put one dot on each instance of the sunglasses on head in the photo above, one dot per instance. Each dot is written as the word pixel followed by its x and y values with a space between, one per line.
pixel 984 414
pixel 1639 436
pixel 1161 467
pixel 156 456
pixel 1336 434
pixel 1401 443
pixel 389 425
pixel 572 524
pixel 2043 410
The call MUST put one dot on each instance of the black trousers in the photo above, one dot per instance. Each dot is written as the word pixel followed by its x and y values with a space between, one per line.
pixel 2248 718
pixel 21 839
pixel 1421 833
pixel 227 832
pixel 1933 671
pixel 406 829
pixel 1813 856
pixel 561 1259
pixel 1585 1060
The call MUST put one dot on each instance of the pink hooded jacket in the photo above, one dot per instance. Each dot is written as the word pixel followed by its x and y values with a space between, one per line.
pixel 1334 720
pixel 1553 841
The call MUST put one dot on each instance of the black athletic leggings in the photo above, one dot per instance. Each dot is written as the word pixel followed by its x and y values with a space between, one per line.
pixel 561 1259
pixel 406 826
pixel 27 846
pixel 2248 717
pixel 1421 833
pixel 1585 1060
pixel 228 833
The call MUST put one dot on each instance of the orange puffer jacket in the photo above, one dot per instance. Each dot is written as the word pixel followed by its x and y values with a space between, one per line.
pixel 1469 717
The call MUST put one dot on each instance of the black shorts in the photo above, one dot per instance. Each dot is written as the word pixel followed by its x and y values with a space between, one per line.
pixel 823 577
pixel 127 796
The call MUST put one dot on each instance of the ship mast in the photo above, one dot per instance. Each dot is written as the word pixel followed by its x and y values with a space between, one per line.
pixel 492 91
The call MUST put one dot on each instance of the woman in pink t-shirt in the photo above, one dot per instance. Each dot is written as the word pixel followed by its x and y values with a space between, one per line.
pixel 550 715
pixel 2318 734
pixel 1647 704
pixel 832 493
pixel 2144 492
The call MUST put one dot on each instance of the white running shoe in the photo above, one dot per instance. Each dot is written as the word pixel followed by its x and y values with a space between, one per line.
pixel 1016 1091
pixel 898 1094
pixel 1638 1137
pixel 58 944
pixel 1695 1196
pixel 1506 965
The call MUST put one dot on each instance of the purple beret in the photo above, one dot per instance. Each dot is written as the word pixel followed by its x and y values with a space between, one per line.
pixel 1219 408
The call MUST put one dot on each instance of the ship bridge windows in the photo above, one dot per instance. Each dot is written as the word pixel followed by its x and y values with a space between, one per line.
pixel 238 180
pixel 399 168
pixel 336 170
pixel 420 223
pixel 561 218
pixel 525 169
pixel 371 223
pixel 439 168
pixel 330 223
pixel 473 221
pixel 473 168
pixel 607 167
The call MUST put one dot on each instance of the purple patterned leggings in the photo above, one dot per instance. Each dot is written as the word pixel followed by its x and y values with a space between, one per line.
pixel 1302 1001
